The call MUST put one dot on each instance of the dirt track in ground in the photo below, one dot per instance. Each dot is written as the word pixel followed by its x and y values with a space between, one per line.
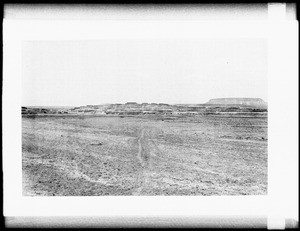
pixel 96 156
pixel 145 160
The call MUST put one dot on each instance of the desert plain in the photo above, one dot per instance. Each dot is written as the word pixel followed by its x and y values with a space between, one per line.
pixel 200 155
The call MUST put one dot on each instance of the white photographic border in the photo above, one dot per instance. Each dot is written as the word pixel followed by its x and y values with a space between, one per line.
pixel 280 203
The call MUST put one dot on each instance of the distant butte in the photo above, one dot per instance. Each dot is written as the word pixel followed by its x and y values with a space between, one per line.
pixel 241 101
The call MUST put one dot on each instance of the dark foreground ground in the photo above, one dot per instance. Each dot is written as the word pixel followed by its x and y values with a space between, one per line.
pixel 94 156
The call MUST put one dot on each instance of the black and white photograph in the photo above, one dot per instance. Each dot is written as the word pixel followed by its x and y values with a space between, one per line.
pixel 145 117
pixel 138 112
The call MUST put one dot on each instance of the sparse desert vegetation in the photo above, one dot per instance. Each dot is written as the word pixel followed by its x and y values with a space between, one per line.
pixel 217 154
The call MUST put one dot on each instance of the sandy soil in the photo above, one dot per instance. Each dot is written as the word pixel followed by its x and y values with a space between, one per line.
pixel 93 156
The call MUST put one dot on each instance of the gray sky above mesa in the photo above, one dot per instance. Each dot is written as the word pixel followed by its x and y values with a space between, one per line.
pixel 72 73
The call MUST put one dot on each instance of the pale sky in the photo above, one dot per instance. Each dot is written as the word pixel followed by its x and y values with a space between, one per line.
pixel 73 73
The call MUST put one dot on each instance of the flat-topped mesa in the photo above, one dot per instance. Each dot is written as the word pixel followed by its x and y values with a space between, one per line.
pixel 131 103
pixel 241 101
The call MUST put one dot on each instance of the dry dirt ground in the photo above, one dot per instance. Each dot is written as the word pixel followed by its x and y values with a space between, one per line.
pixel 94 156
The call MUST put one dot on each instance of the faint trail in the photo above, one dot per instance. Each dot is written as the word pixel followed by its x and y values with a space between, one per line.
pixel 77 173
pixel 139 155
pixel 156 148
pixel 142 155
pixel 73 171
